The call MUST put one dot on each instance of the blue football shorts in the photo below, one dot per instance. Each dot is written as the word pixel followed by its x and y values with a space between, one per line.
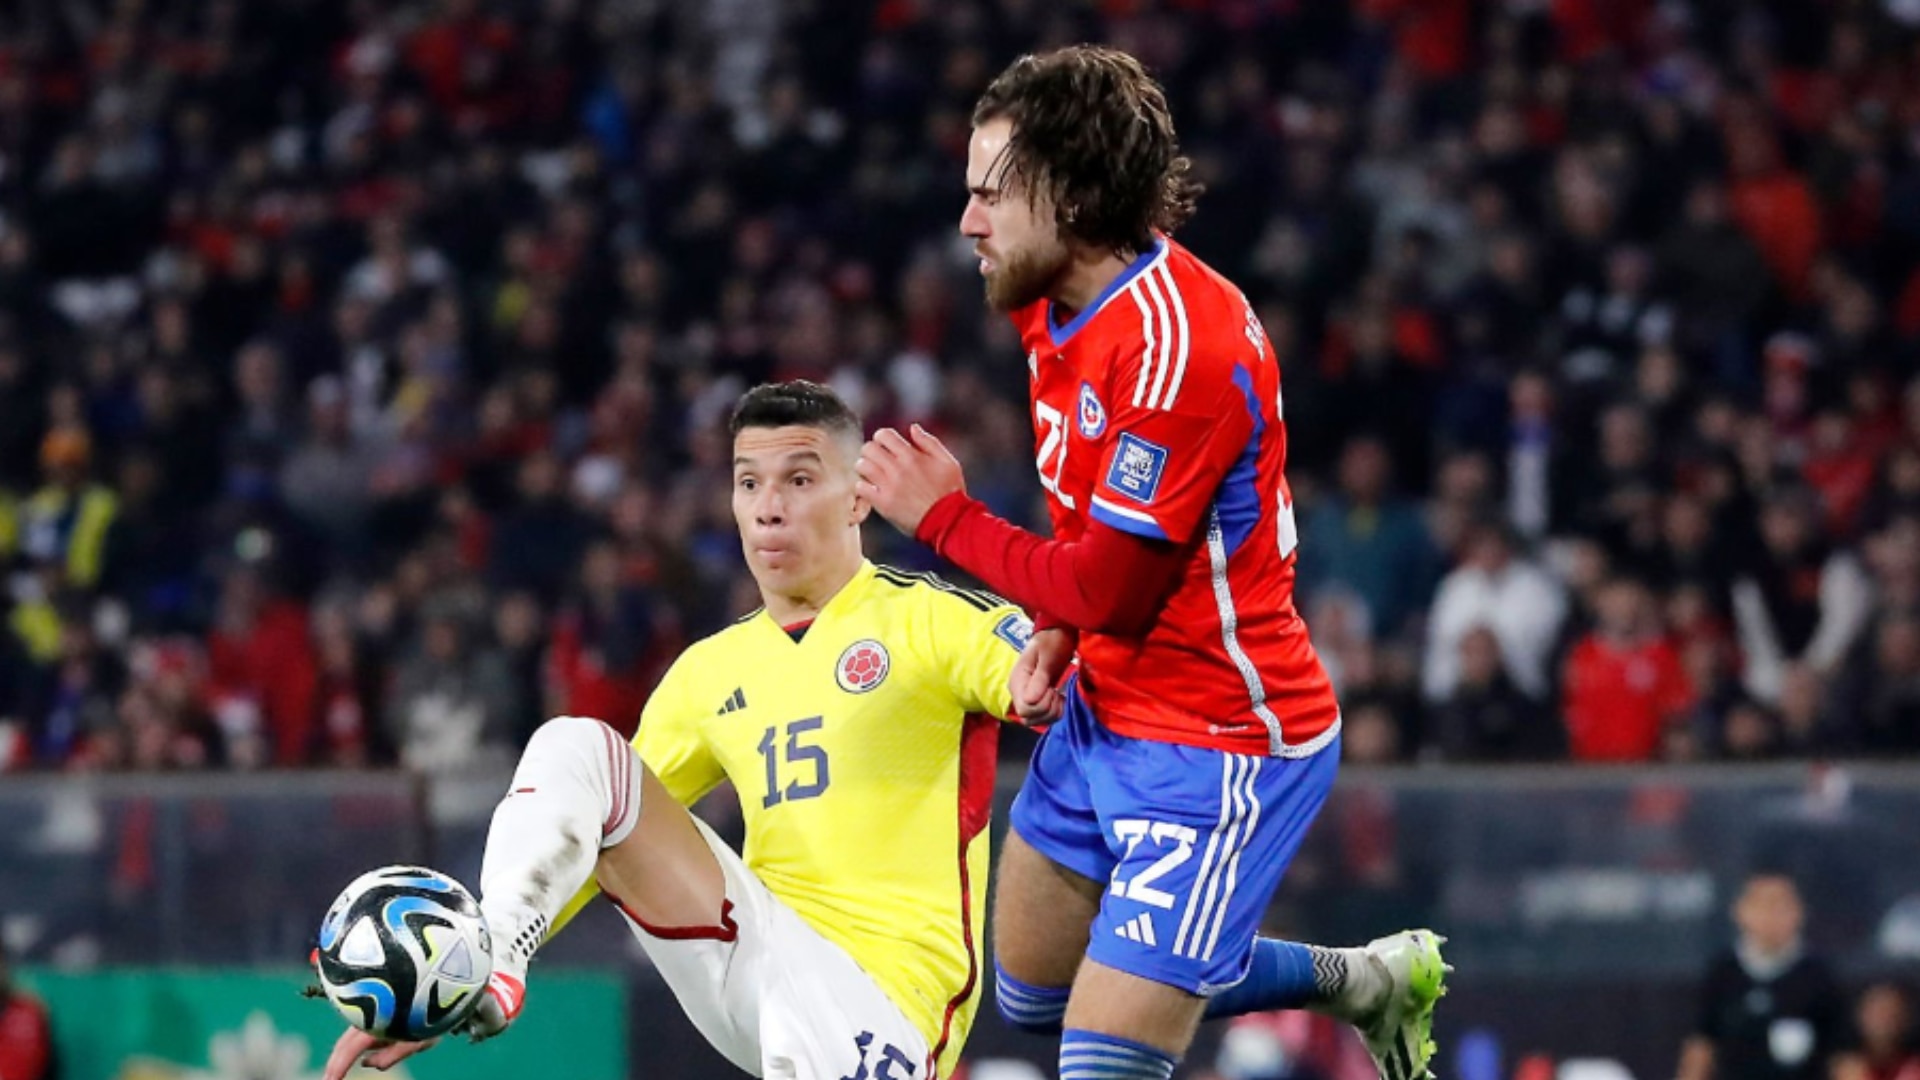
pixel 1192 842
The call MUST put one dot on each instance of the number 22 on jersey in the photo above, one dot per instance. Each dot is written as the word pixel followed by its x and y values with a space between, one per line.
pixel 1052 458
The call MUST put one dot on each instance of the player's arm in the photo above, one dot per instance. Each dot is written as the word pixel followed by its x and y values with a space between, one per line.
pixel 1161 471
pixel 1108 581
pixel 974 641
pixel 918 486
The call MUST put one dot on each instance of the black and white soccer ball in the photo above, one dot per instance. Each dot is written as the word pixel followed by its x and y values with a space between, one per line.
pixel 404 953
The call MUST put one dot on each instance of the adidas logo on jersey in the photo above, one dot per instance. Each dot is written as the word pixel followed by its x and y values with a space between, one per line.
pixel 734 703
pixel 1139 928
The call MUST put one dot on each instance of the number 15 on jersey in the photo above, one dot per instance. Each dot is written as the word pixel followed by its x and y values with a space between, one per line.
pixel 801 760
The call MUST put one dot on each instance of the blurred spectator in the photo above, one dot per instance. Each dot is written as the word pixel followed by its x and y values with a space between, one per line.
pixel 1620 491
pixel 1375 385
pixel 26 1032
pixel 538 544
pixel 1877 700
pixel 518 629
pixel 1370 541
pixel 1801 602
pixel 162 722
pixel 261 675
pixel 1538 459
pixel 1370 733
pixel 66 522
pixel 1768 1010
pixel 345 731
pixel 450 703
pixel 1883 1025
pixel 1624 684
pixel 327 479
pixel 1715 275
pixel 1806 728
pixel 1497 588
pixel 1465 493
pixel 151 555
pixel 1487 718
pixel 1748 732
pixel 71 697
pixel 1896 492
pixel 1604 325
pixel 608 650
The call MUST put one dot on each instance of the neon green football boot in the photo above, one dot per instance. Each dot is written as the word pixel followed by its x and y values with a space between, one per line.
pixel 1399 1031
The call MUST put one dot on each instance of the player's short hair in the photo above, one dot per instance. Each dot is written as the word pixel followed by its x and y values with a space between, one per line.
pixel 797 403
pixel 1092 129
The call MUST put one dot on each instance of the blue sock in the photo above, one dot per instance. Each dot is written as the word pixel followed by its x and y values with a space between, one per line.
pixel 1038 1009
pixel 1086 1055
pixel 1283 975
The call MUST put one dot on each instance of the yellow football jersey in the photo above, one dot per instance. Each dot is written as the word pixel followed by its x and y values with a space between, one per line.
pixel 863 755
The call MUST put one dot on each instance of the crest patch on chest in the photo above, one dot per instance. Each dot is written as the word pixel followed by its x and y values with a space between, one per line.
pixel 862 666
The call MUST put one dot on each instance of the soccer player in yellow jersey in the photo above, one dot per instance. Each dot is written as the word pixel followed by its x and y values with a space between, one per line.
pixel 857 715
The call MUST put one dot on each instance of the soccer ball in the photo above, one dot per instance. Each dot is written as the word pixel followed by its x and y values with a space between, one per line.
pixel 404 953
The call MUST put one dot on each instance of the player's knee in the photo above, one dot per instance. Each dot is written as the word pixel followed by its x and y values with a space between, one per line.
pixel 1038 1009
pixel 577 757
pixel 580 747
pixel 572 734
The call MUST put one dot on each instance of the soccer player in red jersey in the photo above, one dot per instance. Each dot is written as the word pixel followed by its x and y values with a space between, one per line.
pixel 1200 736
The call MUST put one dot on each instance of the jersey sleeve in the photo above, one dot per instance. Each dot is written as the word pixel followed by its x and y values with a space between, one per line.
pixel 670 742
pixel 978 637
pixel 1162 464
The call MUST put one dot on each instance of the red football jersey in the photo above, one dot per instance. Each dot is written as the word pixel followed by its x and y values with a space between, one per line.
pixel 1157 410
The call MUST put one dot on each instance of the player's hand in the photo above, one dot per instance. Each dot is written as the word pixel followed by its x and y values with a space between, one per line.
pixel 1036 676
pixel 499 1003
pixel 356 1047
pixel 903 477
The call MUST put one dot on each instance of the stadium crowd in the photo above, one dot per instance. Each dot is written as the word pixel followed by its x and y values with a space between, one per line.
pixel 364 366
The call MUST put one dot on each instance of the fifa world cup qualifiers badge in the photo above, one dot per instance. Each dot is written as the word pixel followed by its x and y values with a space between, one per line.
pixel 1137 466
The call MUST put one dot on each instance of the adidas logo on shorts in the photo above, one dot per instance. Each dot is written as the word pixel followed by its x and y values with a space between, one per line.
pixel 1139 928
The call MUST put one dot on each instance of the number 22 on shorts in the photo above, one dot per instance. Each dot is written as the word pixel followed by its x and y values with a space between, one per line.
pixel 1164 835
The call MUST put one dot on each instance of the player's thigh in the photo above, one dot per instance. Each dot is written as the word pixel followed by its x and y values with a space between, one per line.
pixel 769 993
pixel 715 963
pixel 664 873
pixel 1115 1002
pixel 1041 915
pixel 822 1017
pixel 1056 858
pixel 1204 837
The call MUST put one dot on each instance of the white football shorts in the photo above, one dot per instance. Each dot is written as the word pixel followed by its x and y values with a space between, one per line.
pixel 776 998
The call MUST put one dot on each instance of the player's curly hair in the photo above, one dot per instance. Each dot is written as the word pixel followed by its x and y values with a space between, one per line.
pixel 1092 129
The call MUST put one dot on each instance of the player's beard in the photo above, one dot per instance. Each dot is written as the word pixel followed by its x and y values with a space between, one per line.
pixel 1025 277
